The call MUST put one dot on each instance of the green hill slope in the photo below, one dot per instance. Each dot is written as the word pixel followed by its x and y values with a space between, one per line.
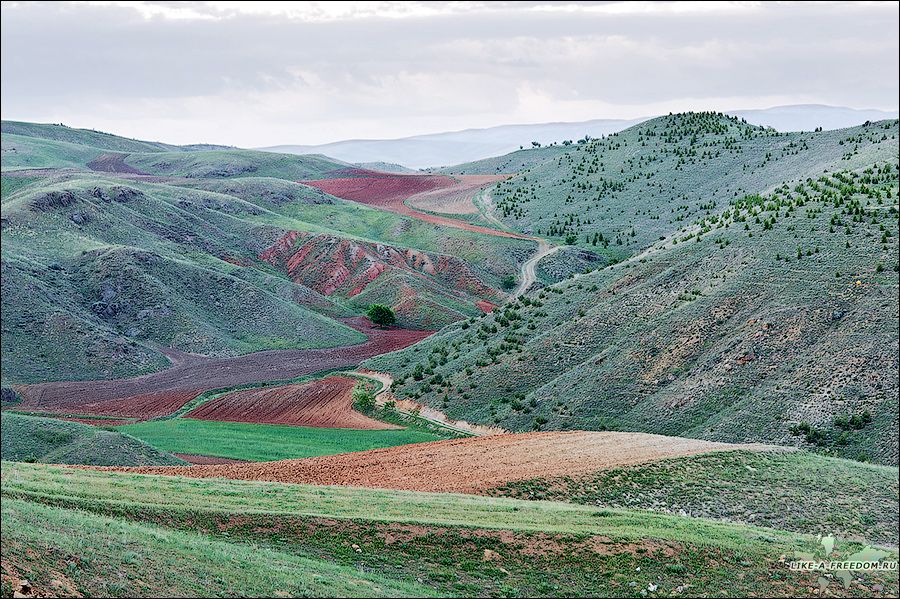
pixel 452 544
pixel 233 163
pixel 83 137
pixel 768 318
pixel 650 180
pixel 797 491
pixel 47 440
pixel 99 271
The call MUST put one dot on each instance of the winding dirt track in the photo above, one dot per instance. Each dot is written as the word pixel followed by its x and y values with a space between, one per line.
pixel 529 274
pixel 469 465
pixel 141 396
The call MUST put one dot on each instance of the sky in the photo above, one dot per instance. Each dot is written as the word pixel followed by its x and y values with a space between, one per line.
pixel 264 73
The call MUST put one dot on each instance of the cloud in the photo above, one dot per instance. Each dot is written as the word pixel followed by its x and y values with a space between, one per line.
pixel 264 73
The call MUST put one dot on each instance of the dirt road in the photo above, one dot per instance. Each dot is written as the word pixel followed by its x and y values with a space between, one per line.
pixel 529 274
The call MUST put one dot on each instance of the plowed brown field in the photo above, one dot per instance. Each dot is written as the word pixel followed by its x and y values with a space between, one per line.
pixel 465 465
pixel 326 403
pixel 390 192
pixel 456 198
pixel 142 405
pixel 164 392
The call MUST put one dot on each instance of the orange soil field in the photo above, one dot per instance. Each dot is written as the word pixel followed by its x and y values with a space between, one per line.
pixel 326 403
pixel 469 465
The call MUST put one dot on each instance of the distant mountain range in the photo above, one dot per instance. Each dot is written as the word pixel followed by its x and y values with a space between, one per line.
pixel 455 147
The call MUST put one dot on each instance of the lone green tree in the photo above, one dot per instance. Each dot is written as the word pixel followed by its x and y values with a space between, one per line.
pixel 381 315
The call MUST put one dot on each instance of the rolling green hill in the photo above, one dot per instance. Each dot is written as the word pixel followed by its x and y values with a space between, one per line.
pixel 445 544
pixel 100 270
pixel 83 137
pixel 233 163
pixel 769 316
pixel 631 188
pixel 797 491
pixel 51 441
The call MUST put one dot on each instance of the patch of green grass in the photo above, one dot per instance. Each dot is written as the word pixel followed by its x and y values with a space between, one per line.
pixel 264 442
pixel 797 491
pixel 20 152
pixel 34 439
pixel 100 556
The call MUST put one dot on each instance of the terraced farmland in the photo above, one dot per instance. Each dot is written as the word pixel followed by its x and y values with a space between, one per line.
pixel 324 403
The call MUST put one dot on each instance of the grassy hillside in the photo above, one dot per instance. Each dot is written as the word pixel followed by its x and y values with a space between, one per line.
pixel 797 491
pixel 21 152
pixel 769 317
pixel 81 137
pixel 66 552
pixel 99 272
pixel 508 163
pixel 233 163
pixel 454 544
pixel 34 439
pixel 109 268
pixel 634 187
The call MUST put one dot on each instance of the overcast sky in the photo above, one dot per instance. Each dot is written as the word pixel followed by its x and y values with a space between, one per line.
pixel 264 73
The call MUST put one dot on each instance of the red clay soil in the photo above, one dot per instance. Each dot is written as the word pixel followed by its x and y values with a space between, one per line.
pixel 142 405
pixel 164 392
pixel 390 191
pixel 325 403
pixel 467 465
pixel 485 306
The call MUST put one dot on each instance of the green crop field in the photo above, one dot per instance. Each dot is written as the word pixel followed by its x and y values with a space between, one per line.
pixel 452 544
pixel 34 439
pixel 264 442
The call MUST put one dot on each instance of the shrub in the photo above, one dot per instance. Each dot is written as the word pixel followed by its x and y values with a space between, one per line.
pixel 381 315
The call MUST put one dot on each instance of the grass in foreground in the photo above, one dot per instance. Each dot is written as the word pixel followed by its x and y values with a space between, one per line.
pixel 264 442
pixel 64 551
pixel 52 441
pixel 797 491
pixel 460 544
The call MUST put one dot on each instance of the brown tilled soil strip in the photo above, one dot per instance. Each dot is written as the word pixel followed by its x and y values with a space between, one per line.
pixel 465 465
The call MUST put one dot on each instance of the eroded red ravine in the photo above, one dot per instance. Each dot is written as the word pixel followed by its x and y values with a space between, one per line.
pixel 330 264
pixel 161 393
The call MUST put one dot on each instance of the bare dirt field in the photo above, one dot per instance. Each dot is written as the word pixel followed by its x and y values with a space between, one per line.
pixel 456 198
pixel 390 192
pixel 113 163
pixel 163 392
pixel 468 465
pixel 326 403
